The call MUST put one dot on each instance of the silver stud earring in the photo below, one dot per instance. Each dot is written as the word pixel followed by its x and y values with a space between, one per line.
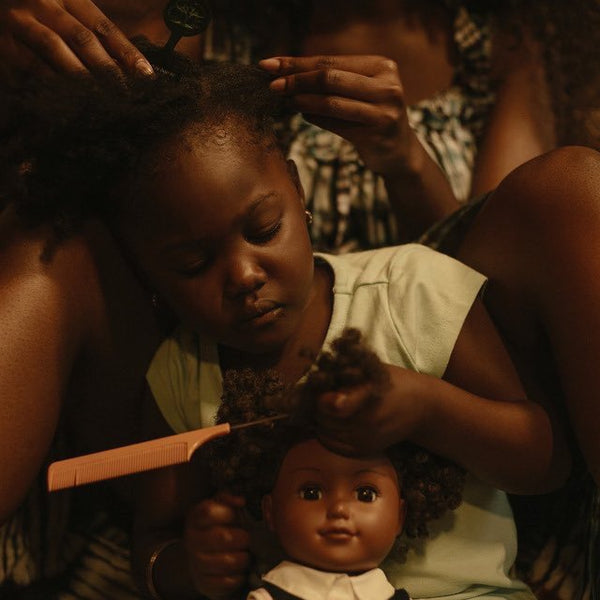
pixel 309 217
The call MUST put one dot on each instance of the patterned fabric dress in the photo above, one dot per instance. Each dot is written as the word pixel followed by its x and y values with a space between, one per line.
pixel 349 203
pixel 66 545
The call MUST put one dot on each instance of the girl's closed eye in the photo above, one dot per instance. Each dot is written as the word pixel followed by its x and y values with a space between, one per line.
pixel 366 493
pixel 310 492
pixel 265 234
pixel 193 266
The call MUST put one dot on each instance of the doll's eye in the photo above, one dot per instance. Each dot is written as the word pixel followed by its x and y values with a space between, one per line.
pixel 366 493
pixel 311 492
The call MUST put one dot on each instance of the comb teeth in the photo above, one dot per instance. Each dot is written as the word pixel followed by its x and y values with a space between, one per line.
pixel 63 476
pixel 143 456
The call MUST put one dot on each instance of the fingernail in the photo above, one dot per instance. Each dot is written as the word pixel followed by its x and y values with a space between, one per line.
pixel 270 64
pixel 144 67
pixel 278 85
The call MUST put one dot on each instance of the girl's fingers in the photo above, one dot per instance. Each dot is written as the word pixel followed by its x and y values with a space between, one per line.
pixel 340 83
pixel 217 539
pixel 225 563
pixel 220 510
pixel 368 65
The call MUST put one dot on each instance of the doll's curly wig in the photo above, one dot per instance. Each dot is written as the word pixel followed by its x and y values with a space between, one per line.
pixel 247 461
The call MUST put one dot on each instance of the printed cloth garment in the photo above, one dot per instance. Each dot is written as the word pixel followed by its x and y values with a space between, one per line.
pixel 349 203
pixel 66 546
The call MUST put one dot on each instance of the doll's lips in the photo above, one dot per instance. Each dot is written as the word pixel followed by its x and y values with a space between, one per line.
pixel 337 534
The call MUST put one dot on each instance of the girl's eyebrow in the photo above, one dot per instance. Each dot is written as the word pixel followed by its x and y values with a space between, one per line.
pixel 193 244
pixel 260 199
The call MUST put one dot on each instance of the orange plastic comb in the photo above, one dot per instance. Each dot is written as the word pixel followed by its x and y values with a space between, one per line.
pixel 144 456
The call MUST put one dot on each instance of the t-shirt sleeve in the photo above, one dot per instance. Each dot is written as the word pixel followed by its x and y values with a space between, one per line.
pixel 185 382
pixel 430 298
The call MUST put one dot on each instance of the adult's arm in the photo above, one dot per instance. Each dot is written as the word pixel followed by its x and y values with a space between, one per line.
pixel 521 124
pixel 42 323
pixel 361 98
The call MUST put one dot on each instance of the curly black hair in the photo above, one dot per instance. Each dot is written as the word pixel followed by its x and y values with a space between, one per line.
pixel 72 146
pixel 247 461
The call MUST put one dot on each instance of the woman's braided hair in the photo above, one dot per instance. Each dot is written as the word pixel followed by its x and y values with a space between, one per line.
pixel 246 462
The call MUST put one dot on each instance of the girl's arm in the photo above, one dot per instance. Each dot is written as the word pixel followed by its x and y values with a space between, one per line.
pixel 194 541
pixel 478 416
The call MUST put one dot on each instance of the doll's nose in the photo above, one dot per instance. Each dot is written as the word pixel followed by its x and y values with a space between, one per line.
pixel 338 509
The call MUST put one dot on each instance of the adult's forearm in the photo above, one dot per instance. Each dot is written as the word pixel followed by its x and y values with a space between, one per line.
pixel 419 193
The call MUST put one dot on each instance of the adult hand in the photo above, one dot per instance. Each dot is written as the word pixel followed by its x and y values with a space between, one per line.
pixel 217 546
pixel 363 420
pixel 41 37
pixel 360 98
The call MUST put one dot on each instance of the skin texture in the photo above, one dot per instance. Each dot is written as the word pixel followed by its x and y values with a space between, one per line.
pixel 334 513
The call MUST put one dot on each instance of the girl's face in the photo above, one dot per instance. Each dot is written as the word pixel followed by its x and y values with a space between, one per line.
pixel 332 512
pixel 221 233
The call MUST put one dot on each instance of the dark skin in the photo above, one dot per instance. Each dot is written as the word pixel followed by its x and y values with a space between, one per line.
pixel 478 415
pixel 79 332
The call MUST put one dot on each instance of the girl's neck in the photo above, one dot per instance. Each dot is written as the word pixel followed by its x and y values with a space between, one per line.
pixel 293 360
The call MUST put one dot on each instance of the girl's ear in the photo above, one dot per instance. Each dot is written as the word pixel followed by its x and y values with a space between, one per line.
pixel 267 512
pixel 401 516
pixel 293 171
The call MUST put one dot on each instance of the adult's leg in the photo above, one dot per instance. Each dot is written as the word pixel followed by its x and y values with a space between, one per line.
pixel 538 240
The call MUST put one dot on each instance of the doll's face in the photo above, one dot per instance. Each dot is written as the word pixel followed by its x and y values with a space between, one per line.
pixel 335 513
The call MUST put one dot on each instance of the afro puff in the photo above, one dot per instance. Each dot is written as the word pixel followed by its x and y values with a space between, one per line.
pixel 247 461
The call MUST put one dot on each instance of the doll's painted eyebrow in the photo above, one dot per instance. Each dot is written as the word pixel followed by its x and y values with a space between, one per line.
pixel 371 471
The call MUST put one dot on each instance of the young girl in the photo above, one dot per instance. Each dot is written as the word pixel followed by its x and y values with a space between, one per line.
pixel 335 517
pixel 222 237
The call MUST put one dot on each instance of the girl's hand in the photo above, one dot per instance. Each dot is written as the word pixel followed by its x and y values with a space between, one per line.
pixel 39 37
pixel 362 421
pixel 217 546
pixel 360 98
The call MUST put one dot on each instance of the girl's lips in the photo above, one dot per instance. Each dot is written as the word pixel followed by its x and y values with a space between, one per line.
pixel 260 313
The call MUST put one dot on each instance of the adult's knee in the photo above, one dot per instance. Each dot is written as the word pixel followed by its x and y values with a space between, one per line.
pixel 556 189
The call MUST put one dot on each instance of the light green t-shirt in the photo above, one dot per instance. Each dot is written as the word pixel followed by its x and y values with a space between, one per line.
pixel 410 302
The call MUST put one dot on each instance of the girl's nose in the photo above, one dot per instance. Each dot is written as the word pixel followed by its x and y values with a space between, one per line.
pixel 244 276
